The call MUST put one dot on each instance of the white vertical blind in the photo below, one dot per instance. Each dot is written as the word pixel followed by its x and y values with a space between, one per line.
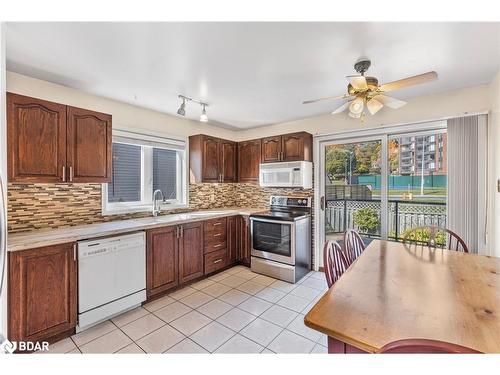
pixel 465 178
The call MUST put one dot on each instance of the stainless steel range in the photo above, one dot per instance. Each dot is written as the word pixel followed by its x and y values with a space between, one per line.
pixel 281 238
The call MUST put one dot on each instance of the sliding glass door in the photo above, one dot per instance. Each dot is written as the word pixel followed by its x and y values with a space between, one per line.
pixel 417 181
pixel 382 185
pixel 352 191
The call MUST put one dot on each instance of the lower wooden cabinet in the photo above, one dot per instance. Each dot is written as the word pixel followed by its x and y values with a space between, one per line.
pixel 232 240
pixel 190 252
pixel 161 260
pixel 243 236
pixel 42 292
pixel 179 254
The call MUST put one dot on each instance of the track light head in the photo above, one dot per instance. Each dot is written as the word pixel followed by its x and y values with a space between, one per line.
pixel 204 117
pixel 182 109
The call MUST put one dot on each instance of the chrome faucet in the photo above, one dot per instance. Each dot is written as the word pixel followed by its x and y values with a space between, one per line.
pixel 156 206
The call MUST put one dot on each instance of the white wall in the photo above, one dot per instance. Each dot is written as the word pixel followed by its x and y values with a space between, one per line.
pixel 425 108
pixel 124 115
pixel 494 167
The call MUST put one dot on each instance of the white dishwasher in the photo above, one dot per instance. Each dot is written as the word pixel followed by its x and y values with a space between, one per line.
pixel 111 277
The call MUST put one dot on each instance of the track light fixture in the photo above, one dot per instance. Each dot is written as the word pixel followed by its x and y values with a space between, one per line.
pixel 182 109
pixel 204 117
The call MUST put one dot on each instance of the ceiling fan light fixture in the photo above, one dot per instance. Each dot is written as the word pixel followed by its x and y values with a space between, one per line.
pixel 373 106
pixel 357 105
pixel 354 115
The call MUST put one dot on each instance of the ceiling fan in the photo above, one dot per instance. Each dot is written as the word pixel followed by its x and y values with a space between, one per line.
pixel 365 92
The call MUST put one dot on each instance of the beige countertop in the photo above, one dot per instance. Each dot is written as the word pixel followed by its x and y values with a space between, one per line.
pixel 46 237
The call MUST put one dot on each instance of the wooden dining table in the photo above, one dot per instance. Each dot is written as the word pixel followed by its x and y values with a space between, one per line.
pixel 395 291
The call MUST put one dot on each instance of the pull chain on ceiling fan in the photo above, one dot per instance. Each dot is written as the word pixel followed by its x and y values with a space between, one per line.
pixel 365 92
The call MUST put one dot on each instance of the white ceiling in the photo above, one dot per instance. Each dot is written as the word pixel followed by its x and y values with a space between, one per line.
pixel 251 73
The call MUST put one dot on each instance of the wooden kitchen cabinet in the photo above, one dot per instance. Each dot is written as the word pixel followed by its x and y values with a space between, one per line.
pixel 36 135
pixel 243 236
pixel 190 252
pixel 232 240
pixel 212 159
pixel 249 156
pixel 89 148
pixel 228 161
pixel 271 149
pixel 50 142
pixel 287 147
pixel 42 299
pixel 162 272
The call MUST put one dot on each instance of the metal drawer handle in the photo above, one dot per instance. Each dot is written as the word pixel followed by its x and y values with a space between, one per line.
pixel 217 261
pixel 217 224
pixel 218 245
pixel 217 235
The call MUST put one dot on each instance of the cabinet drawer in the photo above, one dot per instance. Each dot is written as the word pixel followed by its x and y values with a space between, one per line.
pixel 215 246
pixel 215 261
pixel 213 237
pixel 215 226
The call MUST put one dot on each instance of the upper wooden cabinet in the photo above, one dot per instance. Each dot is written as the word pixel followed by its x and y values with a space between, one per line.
pixel 51 142
pixel 36 134
pixel 212 159
pixel 288 147
pixel 249 156
pixel 88 145
pixel 271 149
pixel 42 296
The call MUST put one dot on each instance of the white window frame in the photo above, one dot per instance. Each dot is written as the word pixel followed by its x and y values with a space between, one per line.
pixel 146 203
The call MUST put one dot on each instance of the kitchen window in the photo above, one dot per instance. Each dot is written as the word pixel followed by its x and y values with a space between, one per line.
pixel 143 163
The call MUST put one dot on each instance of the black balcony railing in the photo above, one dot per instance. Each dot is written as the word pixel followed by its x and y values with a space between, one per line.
pixel 402 216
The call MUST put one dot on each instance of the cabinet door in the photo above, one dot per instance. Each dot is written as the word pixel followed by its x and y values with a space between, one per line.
pixel 232 245
pixel 249 154
pixel 271 149
pixel 191 252
pixel 296 146
pixel 89 146
pixel 228 163
pixel 161 260
pixel 36 133
pixel 210 159
pixel 42 292
pixel 244 240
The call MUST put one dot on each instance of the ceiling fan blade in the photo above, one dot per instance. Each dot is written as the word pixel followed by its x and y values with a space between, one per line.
pixel 374 106
pixel 358 82
pixel 390 102
pixel 327 98
pixel 342 108
pixel 410 81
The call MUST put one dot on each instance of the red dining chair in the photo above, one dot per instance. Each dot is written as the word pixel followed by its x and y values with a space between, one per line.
pixel 354 245
pixel 424 346
pixel 334 261
pixel 436 237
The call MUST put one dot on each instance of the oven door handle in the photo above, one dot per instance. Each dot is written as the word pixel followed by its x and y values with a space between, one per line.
pixel 291 223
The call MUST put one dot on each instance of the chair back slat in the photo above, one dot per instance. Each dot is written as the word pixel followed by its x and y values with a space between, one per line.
pixel 334 262
pixel 424 346
pixel 430 236
pixel 353 244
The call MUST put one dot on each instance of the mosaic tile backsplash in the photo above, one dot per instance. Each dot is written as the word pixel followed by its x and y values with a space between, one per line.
pixel 42 206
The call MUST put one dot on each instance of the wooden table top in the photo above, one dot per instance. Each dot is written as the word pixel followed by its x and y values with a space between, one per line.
pixel 394 292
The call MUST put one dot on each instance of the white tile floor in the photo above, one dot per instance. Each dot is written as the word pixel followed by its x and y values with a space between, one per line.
pixel 236 311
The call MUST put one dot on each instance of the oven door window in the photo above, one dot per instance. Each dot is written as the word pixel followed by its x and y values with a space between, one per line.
pixel 273 238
